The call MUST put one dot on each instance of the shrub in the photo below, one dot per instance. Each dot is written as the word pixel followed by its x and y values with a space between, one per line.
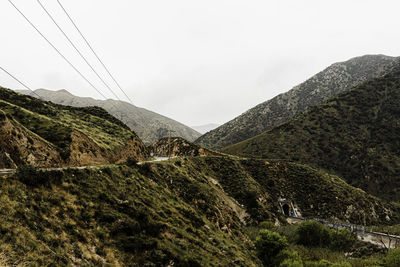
pixel 291 263
pixel 289 258
pixel 267 225
pixel 325 263
pixel 392 259
pixel 30 175
pixel 312 233
pixel 131 162
pixel 342 240
pixel 269 245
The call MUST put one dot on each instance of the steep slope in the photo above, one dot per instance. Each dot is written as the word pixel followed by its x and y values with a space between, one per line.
pixel 187 212
pixel 329 82
pixel 148 125
pixel 258 184
pixel 25 148
pixel 356 135
pixel 179 147
pixel 45 134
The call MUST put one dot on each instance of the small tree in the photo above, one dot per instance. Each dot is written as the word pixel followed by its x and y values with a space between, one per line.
pixel 312 233
pixel 342 240
pixel 30 175
pixel 269 245
pixel 131 162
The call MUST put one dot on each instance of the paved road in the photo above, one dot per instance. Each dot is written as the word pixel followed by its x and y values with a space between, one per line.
pixel 155 159
pixel 12 171
pixel 6 171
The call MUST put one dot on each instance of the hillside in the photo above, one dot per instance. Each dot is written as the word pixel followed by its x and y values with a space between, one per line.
pixel 45 134
pixel 324 85
pixel 355 135
pixel 179 147
pixel 186 212
pixel 148 125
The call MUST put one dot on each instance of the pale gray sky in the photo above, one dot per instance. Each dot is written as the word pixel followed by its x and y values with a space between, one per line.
pixel 196 61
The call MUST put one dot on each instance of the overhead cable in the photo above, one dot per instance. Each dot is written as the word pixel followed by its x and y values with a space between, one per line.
pixel 55 48
pixel 91 48
pixel 23 84
pixel 76 49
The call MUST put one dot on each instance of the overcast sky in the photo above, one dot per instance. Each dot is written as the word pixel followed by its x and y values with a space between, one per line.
pixel 198 62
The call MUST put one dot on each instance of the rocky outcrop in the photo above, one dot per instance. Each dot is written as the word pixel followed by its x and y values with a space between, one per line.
pixel 133 149
pixel 179 147
pixel 84 151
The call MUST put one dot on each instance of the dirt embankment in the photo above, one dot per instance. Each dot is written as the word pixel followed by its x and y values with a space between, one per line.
pixel 20 146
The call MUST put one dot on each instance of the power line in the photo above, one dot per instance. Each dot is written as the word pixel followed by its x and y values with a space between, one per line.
pixel 15 78
pixel 55 48
pixel 91 48
pixel 77 50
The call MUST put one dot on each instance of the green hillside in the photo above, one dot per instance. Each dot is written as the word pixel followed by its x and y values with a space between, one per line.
pixel 148 125
pixel 328 83
pixel 355 135
pixel 185 212
pixel 79 135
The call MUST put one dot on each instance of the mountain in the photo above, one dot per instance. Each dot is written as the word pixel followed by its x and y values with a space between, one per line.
pixel 148 125
pixel 188 211
pixel 328 83
pixel 205 128
pixel 178 147
pixel 355 135
pixel 44 134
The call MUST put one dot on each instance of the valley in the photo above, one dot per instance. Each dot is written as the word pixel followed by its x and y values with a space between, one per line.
pixel 85 190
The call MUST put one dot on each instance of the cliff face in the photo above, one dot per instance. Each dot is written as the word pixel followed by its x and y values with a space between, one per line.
pixel 330 82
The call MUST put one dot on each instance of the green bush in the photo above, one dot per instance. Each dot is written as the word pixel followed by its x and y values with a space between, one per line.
pixel 269 245
pixel 313 234
pixel 289 258
pixel 325 263
pixel 30 175
pixel 392 259
pixel 342 240
pixel 267 225
pixel 291 263
pixel 131 162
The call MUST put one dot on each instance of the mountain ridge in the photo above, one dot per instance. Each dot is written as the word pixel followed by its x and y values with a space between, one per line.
pixel 355 135
pixel 333 80
pixel 149 126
